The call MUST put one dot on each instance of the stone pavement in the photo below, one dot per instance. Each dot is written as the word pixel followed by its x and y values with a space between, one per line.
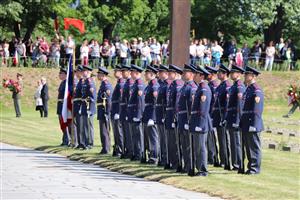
pixel 30 174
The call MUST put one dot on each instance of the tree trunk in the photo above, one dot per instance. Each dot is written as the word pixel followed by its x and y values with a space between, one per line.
pixel 17 30
pixel 29 31
pixel 107 31
pixel 274 31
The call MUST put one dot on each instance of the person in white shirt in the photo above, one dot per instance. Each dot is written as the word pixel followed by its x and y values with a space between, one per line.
pixel 70 46
pixel 165 51
pixel 38 99
pixel 123 52
pixel 192 52
pixel 200 49
pixel 84 53
pixel 270 52
pixel 95 53
pixel 146 55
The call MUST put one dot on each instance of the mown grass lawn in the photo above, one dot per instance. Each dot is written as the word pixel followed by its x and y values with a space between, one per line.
pixel 280 177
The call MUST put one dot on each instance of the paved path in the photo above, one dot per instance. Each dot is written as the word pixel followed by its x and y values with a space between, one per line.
pixel 30 174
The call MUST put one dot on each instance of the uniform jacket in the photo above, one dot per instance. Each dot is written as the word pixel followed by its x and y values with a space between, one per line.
pixel 213 84
pixel 235 103
pixel 173 94
pixel 136 101
pixel 252 109
pixel 221 103
pixel 150 93
pixel 200 116
pixel 185 103
pixel 116 97
pixel 104 100
pixel 125 99
pixel 88 93
pixel 77 97
pixel 162 100
pixel 60 97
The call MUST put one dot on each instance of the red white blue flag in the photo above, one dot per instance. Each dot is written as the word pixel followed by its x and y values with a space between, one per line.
pixel 68 96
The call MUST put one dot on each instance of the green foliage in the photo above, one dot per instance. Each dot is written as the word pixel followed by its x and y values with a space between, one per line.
pixel 242 19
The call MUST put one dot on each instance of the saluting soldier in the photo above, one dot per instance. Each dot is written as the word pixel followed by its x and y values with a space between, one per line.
pixel 125 93
pixel 160 107
pixel 149 116
pixel 88 107
pixel 78 139
pixel 219 111
pixel 103 109
pixel 115 116
pixel 200 124
pixel 251 121
pixel 170 120
pixel 60 99
pixel 184 110
pixel 233 115
pixel 211 137
pixel 135 110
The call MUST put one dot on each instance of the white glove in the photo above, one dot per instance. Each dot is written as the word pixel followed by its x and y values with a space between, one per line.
pixel 252 129
pixel 136 119
pixel 126 118
pixel 163 120
pixel 150 122
pixel 235 125
pixel 186 127
pixel 116 117
pixel 173 125
pixel 198 129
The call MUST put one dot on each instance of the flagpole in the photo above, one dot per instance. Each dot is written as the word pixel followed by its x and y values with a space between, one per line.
pixel 73 124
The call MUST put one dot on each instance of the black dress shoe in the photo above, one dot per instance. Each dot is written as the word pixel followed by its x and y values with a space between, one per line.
pixel 152 162
pixel 202 174
pixel 143 160
pixel 227 167
pixel 179 169
pixel 235 169
pixel 249 172
pixel 167 166
pixel 191 173
pixel 216 164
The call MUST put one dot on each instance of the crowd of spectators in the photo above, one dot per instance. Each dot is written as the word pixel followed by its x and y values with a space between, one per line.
pixel 54 53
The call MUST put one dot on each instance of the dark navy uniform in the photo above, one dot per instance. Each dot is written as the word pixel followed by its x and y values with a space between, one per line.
pixel 183 116
pixel 200 125
pixel 212 146
pixel 173 94
pixel 160 115
pixel 115 117
pixel 128 145
pixel 233 116
pixel 60 99
pixel 252 124
pixel 135 113
pixel 219 111
pixel 103 111
pixel 151 142
pixel 80 141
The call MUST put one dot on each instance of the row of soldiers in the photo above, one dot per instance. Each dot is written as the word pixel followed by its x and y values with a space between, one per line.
pixel 182 119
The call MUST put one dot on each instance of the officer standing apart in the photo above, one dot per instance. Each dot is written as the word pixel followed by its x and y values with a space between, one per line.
pixel 16 95
pixel 200 124
pixel 233 115
pixel 184 110
pixel 115 116
pixel 211 137
pixel 125 93
pixel 171 120
pixel 135 112
pixel 164 83
pixel 251 121
pixel 88 106
pixel 149 116
pixel 60 99
pixel 219 111
pixel 103 109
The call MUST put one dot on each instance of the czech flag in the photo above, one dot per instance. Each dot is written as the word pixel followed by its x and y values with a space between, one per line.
pixel 68 96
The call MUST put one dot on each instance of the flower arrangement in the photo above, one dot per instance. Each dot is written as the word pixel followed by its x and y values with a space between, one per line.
pixel 12 85
pixel 293 94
